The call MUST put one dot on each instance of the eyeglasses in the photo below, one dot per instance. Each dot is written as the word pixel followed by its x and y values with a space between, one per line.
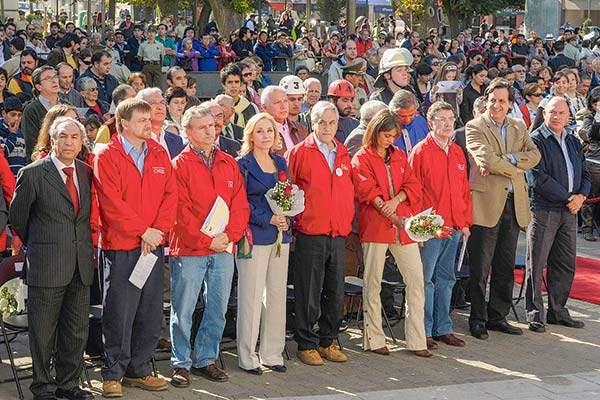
pixel 158 103
pixel 436 64
pixel 477 59
pixel 247 74
pixel 92 89
pixel 536 94
pixel 260 65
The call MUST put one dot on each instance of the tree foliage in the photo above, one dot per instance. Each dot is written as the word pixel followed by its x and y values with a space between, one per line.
pixel 331 10
pixel 460 12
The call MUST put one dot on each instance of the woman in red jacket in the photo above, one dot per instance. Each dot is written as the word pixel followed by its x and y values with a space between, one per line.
pixel 387 192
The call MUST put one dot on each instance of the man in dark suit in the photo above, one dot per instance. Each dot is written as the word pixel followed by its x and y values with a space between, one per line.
pixel 229 146
pixel 560 59
pixel 51 213
pixel 230 130
pixel 170 141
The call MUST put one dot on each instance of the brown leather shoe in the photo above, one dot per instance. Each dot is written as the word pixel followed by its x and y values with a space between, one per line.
pixel 431 344
pixel 384 351
pixel 164 344
pixel 211 372
pixel 150 382
pixel 332 353
pixel 310 357
pixel 423 353
pixel 451 340
pixel 180 378
pixel 112 389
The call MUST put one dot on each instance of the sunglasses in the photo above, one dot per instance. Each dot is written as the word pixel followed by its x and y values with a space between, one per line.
pixel 86 62
pixel 436 64
pixel 416 55
pixel 92 89
pixel 536 94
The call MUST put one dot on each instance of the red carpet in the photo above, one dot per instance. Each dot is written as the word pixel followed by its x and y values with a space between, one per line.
pixel 586 286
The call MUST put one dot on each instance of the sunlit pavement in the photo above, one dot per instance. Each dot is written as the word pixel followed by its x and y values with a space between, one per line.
pixel 562 363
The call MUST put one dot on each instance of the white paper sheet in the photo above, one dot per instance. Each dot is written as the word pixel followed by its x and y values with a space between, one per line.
pixel 142 269
pixel 217 221
pixel 19 266
pixel 448 86
pixel 461 257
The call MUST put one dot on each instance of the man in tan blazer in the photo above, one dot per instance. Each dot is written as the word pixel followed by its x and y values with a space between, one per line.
pixel 500 150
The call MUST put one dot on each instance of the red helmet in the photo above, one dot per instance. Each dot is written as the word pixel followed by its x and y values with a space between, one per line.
pixel 340 88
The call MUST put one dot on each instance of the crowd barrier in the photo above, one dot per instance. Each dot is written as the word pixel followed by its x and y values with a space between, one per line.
pixel 209 83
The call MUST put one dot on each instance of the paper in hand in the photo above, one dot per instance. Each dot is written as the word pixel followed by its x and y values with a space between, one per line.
pixel 461 257
pixel 448 86
pixel 142 269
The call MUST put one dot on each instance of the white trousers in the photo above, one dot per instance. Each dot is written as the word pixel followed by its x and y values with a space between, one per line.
pixel 408 260
pixel 262 293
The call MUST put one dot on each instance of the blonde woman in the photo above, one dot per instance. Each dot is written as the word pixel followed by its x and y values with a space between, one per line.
pixel 262 278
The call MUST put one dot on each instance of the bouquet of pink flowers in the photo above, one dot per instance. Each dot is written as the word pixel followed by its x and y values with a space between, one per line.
pixel 284 199
pixel 427 225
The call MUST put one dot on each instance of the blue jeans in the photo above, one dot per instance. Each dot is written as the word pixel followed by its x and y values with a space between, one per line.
pixel 438 257
pixel 187 275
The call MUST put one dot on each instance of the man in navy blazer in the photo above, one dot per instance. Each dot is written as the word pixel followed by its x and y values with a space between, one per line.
pixel 170 141
pixel 229 146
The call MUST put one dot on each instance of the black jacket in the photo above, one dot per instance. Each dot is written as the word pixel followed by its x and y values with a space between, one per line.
pixel 548 181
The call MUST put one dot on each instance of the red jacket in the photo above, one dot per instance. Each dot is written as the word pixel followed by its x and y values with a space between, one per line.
pixel 328 196
pixel 8 181
pixel 362 47
pixel 371 180
pixel 130 203
pixel 445 181
pixel 198 190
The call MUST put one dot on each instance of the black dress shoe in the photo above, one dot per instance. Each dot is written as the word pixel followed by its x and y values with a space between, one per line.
pixel 73 394
pixel 253 371
pixel 504 327
pixel 478 331
pixel 537 327
pixel 568 322
pixel 277 368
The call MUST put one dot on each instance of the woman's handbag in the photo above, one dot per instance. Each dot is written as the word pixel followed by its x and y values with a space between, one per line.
pixel 244 246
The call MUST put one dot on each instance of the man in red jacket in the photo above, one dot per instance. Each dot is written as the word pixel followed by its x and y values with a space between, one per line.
pixel 440 165
pixel 320 165
pixel 203 173
pixel 137 193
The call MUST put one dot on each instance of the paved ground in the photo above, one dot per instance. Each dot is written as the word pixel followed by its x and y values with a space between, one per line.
pixel 560 364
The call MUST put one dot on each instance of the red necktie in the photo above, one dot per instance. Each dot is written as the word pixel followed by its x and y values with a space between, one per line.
pixel 71 188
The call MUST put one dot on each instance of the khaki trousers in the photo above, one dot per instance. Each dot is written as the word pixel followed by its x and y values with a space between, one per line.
pixel 408 260
pixel 262 293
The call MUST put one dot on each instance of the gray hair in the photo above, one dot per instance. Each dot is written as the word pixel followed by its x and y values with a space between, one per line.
pixel 83 83
pixel 59 122
pixel 195 112
pixel 318 109
pixel 310 81
pixel 147 92
pixel 369 109
pixel 403 99
pixel 269 91
pixel 97 34
pixel 225 97
pixel 436 107
pixel 479 105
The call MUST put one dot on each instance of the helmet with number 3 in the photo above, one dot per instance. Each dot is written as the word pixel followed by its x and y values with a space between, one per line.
pixel 292 84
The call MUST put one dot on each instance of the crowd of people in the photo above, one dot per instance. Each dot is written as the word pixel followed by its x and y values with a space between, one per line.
pixel 102 171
